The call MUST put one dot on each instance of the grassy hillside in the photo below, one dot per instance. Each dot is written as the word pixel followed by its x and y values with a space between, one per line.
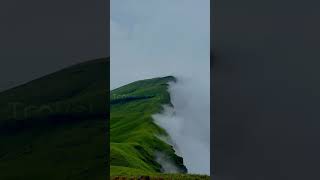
pixel 55 127
pixel 134 136
pixel 162 176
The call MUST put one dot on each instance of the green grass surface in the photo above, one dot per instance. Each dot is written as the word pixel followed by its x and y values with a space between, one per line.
pixel 58 129
pixel 163 177
pixel 134 135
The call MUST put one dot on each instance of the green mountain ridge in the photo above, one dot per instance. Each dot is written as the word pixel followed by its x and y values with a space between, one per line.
pixel 134 136
pixel 55 127
pixel 73 92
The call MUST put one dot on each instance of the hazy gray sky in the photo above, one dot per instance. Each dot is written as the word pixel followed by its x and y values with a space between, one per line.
pixel 157 38
pixel 151 38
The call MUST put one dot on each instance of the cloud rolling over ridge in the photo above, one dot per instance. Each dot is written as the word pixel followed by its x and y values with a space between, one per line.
pixel 152 38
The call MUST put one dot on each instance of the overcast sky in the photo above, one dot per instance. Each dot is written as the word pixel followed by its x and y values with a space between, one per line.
pixel 152 38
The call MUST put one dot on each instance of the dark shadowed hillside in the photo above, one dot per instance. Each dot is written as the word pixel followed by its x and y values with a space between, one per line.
pixel 55 127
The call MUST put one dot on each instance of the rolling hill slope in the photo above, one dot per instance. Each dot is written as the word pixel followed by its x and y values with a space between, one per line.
pixel 135 139
pixel 55 127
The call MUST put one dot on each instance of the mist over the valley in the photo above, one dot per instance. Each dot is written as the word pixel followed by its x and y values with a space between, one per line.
pixel 155 38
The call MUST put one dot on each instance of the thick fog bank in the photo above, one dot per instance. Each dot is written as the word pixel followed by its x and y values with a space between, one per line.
pixel 188 123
